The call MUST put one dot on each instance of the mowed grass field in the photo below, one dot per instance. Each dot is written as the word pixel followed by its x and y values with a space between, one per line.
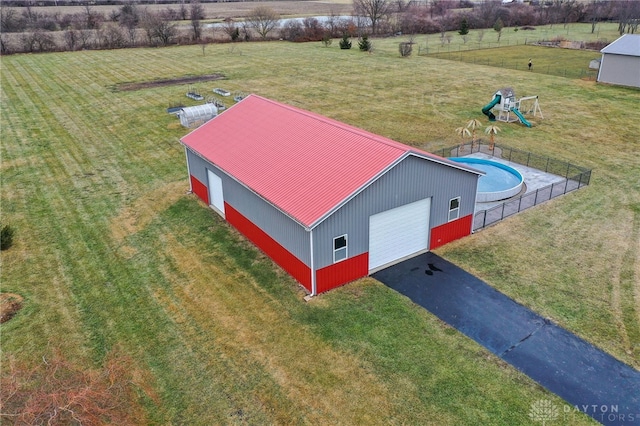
pixel 111 252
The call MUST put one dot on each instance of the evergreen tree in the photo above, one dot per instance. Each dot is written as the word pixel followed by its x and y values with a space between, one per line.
pixel 345 43
pixel 498 26
pixel 464 27
pixel 364 44
pixel 6 237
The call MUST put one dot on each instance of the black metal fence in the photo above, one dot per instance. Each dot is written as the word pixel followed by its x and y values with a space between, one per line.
pixel 575 177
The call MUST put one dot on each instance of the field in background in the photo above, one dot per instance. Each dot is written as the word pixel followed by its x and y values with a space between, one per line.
pixel 221 10
pixel 110 251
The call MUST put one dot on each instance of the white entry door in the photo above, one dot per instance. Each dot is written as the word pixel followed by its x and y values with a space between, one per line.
pixel 398 233
pixel 215 192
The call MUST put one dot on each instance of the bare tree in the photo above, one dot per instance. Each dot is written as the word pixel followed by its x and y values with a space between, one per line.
pixel 92 19
pixel 480 34
pixel 196 14
pixel 38 41
pixel 230 28
pixel 28 12
pixel 183 13
pixel 488 12
pixel 628 14
pixel 85 39
pixel 593 11
pixel 441 7
pixel 332 24
pixel 5 47
pixel 263 20
pixel 111 37
pixel 246 31
pixel 71 39
pixel 158 27
pixel 570 11
pixel 77 39
pixel 129 19
pixel 10 20
pixel 374 10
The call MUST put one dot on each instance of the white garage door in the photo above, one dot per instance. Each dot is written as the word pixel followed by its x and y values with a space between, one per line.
pixel 399 232
pixel 215 191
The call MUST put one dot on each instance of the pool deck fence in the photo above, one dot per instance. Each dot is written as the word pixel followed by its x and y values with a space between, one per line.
pixel 545 178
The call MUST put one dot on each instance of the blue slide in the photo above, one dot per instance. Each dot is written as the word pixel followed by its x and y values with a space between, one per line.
pixel 487 108
pixel 523 120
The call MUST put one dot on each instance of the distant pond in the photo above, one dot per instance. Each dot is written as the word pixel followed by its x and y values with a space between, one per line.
pixel 285 21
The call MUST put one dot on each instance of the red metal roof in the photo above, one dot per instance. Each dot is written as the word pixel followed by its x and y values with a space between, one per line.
pixel 303 163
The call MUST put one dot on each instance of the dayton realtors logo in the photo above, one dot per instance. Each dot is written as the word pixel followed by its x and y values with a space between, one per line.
pixel 546 412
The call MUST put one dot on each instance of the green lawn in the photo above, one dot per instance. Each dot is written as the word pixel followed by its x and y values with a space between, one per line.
pixel 111 252
pixel 570 63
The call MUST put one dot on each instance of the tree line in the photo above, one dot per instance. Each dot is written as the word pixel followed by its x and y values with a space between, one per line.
pixel 26 29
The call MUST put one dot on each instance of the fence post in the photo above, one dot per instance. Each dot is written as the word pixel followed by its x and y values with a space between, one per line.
pixel 582 175
pixel 546 168
pixel 535 199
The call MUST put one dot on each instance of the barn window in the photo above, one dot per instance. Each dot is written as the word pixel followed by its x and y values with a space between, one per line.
pixel 454 208
pixel 340 248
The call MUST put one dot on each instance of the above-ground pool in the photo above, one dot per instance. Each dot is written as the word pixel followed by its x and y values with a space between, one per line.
pixel 499 182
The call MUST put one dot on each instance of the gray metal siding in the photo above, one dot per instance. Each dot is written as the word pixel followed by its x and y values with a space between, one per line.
pixel 411 180
pixel 620 69
pixel 276 224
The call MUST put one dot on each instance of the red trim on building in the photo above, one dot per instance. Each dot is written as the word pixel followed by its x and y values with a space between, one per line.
pixel 443 234
pixel 200 189
pixel 340 273
pixel 287 261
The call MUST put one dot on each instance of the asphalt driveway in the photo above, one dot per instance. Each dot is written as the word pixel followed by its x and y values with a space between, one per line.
pixel 586 377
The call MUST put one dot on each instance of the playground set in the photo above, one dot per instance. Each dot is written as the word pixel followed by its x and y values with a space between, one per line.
pixel 510 108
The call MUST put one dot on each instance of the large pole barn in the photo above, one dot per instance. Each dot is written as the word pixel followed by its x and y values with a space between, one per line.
pixel 328 202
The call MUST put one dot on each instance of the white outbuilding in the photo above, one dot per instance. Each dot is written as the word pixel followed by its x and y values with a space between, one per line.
pixel 620 62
